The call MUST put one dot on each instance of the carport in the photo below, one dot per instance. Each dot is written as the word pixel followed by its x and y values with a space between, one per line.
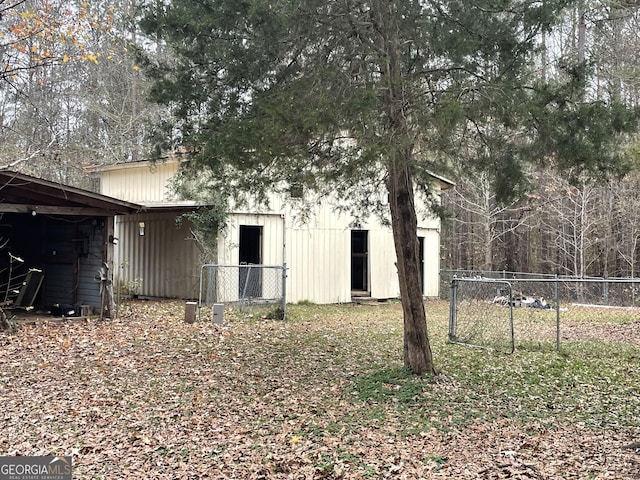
pixel 54 242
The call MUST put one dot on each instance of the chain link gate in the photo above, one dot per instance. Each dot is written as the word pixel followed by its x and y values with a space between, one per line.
pixel 481 313
pixel 248 288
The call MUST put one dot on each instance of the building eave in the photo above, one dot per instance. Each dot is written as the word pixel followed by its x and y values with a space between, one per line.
pixel 21 193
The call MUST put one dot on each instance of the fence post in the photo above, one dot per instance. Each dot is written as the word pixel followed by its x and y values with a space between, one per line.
pixel 200 290
pixel 246 284
pixel 284 291
pixel 556 294
pixel 452 310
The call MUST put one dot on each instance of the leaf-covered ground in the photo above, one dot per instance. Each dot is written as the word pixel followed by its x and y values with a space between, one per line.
pixel 320 395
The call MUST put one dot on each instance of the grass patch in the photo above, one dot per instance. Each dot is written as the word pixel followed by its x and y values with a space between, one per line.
pixel 389 384
pixel 587 383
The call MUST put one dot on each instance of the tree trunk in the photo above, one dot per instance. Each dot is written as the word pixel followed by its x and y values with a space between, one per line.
pixel 404 222
pixel 417 350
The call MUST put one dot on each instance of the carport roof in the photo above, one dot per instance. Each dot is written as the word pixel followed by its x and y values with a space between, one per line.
pixel 20 193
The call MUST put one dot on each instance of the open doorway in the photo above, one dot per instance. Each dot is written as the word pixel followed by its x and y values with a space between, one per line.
pixel 250 253
pixel 359 262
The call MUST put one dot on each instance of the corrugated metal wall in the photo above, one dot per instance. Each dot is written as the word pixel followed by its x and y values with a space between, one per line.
pixel 319 258
pixel 382 264
pixel 318 252
pixel 164 262
pixel 319 264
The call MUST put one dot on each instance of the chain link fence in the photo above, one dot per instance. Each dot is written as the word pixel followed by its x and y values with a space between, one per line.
pixel 504 315
pixel 482 313
pixel 255 290
pixel 536 307
pixel 615 292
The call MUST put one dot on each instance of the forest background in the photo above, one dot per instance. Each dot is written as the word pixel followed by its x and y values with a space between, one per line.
pixel 72 98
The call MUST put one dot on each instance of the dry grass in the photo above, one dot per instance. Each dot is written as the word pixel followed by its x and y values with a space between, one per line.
pixel 321 395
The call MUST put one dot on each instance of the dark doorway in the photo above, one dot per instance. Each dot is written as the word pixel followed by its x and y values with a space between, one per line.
pixel 359 262
pixel 421 262
pixel 250 246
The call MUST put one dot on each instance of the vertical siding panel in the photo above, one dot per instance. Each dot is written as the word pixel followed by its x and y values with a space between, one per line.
pixel 319 261
pixel 139 183
pixel 382 258
pixel 89 265
pixel 306 273
pixel 299 278
pixel 157 256
pixel 294 285
pixel 151 257
pixel 59 269
pixel 136 262
pixel 432 262
pixel 342 248
pixel 319 258
pixel 164 258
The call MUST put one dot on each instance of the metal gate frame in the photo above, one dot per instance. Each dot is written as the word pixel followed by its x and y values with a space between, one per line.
pixel 453 311
pixel 242 301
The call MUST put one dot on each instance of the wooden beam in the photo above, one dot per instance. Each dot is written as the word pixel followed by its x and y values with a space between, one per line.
pixel 53 210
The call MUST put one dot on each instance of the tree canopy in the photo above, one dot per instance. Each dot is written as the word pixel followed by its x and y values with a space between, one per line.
pixel 351 97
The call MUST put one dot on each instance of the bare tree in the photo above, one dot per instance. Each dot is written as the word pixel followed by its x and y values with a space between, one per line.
pixel 81 104
pixel 486 223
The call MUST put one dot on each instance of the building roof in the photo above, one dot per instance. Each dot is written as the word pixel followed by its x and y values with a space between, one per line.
pixel 445 183
pixel 173 158
pixel 174 206
pixel 20 193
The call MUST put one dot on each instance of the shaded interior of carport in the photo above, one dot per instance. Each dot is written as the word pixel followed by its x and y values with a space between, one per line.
pixel 55 241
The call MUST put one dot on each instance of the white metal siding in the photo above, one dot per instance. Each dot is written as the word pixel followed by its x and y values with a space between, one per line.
pixel 319 265
pixel 382 263
pixel 272 238
pixel 139 184
pixel 431 262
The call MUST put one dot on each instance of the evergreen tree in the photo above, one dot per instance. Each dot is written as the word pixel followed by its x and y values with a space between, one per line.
pixel 352 96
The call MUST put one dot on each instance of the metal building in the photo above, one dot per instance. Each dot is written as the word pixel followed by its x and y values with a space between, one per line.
pixel 327 260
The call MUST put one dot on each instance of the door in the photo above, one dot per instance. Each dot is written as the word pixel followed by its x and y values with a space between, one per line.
pixel 250 254
pixel 60 262
pixel 359 262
